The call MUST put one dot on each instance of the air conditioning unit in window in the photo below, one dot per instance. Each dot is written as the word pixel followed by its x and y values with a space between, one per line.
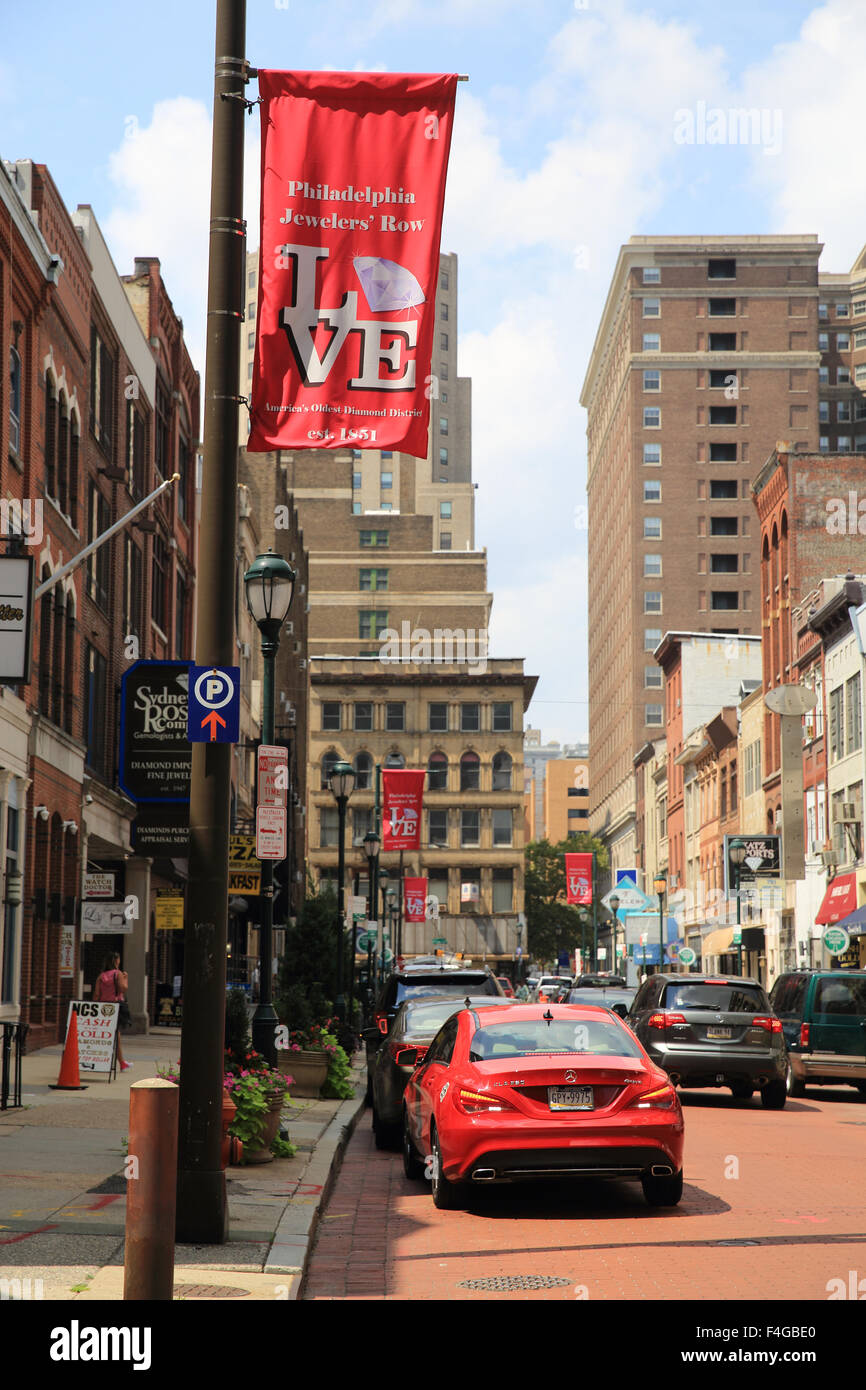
pixel 846 813
pixel 289 628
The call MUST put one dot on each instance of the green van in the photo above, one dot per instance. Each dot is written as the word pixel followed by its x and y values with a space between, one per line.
pixel 823 1015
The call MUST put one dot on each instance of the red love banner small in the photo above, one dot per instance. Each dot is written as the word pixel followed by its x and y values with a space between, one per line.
pixel 414 899
pixel 402 798
pixel 578 879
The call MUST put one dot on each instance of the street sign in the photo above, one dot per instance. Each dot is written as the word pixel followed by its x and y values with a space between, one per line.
pixel 440 941
pixel 97 1029
pixel 16 616
pixel 687 955
pixel 273 774
pixel 162 831
pixel 105 919
pixel 155 756
pixel 214 704
pixel 245 870
pixel 271 832
pixel 630 899
pixel 168 910
pixel 366 941
pixel 837 940
pixel 99 885
pixel 738 936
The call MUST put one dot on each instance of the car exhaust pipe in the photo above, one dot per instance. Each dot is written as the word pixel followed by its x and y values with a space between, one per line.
pixel 483 1174
pixel 661 1170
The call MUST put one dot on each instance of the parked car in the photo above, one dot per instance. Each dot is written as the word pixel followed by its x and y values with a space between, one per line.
pixel 540 1092
pixel 507 987
pixel 601 980
pixel 547 986
pixel 416 982
pixel 710 1030
pixel 619 1001
pixel 823 1015
pixel 416 1024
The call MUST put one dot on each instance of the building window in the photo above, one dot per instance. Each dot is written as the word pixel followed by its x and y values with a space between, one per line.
pixel 99 561
pixel 363 716
pixel 723 414
pixel 823 376
pixel 470 890
pixel 14 400
pixel 95 708
pixel 162 431
pixel 101 393
pixel 378 540
pixel 437 773
pixel 372 623
pixel 843 376
pixel 470 719
pixel 824 444
pixel 723 453
pixel 356 481
pixel 332 715
pixel 363 771
pixel 652 308
pixel 652 342
pixel 437 830
pixel 328 762
pixel 724 564
pixel 443 310
pixel 651 275
pixel 502 716
pixel 653 716
pixel 651 638
pixel 503 890
pixel 843 444
pixel 356 509
pixel 386 481
pixel 133 588
pixel 502 826
pixel 652 568
pixel 443 279
pixel 823 342
pixel 721 308
pixel 443 341
pixel 652 491
pixel 652 417
pixel 843 342
pixel 386 506
pixel 723 526
pixel 652 601
pixel 329 827
pixel 824 412
pixel 724 600
pixel 652 381
pixel 395 716
pixel 470 828
pixel 502 766
pixel 652 453
pixel 443 424
pixel 653 678
pixel 853 717
pixel 362 822
pixel 722 342
pixel 823 313
pixel 437 718
pixel 443 371
pixel 843 411
pixel 652 528
pixel 470 772
pixel 180 606
pixel 370 580
pixel 443 458
pixel 445 511
pixel 444 540
pixel 721 268
pixel 723 490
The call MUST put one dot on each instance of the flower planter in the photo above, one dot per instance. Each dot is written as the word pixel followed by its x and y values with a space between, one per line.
pixel 309 1070
pixel 272 1127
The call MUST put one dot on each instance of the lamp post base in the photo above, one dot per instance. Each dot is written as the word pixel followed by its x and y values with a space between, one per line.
pixel 264 1029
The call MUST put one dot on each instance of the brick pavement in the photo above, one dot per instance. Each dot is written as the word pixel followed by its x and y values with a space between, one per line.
pixel 790 1181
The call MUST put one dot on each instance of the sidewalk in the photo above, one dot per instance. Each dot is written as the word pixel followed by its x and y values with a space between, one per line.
pixel 62 1189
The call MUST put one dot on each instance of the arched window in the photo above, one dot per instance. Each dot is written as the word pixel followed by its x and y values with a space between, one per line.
pixel 50 439
pixel 363 772
pixel 63 458
pixel 327 768
pixel 73 472
pixel 46 611
pixel 14 400
pixel 70 685
pixel 502 772
pixel 437 772
pixel 59 606
pixel 470 772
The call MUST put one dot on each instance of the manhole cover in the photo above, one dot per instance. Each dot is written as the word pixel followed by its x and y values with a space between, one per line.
pixel 208 1291
pixel 518 1281
pixel 114 1184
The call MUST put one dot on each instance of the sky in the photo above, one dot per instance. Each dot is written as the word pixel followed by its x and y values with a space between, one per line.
pixel 577 129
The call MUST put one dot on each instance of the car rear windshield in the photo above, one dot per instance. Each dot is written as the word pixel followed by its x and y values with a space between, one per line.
pixel 450 985
pixel 602 996
pixel 535 1038
pixel 729 999
pixel 425 1020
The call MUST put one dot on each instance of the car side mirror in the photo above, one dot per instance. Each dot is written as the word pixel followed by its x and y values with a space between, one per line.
pixel 621 1010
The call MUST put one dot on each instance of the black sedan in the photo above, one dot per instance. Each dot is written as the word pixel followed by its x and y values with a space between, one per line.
pixel 414 1028
pixel 617 1000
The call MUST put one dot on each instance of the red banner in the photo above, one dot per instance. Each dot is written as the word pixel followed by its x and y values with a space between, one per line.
pixel 578 879
pixel 415 900
pixel 353 185
pixel 402 795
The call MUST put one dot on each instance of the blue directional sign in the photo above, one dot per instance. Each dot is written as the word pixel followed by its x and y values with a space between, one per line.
pixel 214 704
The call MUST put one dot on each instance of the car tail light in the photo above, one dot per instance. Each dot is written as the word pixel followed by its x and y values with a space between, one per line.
pixel 664 1020
pixel 478 1102
pixel 382 1022
pixel 659 1098
pixel 804 1034
pixel 406 1055
pixel 715 982
pixel 770 1025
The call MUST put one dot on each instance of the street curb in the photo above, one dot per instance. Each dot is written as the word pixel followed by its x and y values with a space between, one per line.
pixel 290 1251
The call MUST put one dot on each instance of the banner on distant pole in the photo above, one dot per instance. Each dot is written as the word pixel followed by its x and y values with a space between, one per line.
pixel 578 879
pixel 353 187
pixel 415 900
pixel 402 796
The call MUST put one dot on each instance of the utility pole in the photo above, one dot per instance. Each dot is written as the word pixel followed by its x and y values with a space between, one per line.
pixel 202 1212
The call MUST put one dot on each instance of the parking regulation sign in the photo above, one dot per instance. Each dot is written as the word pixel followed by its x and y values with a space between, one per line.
pixel 214 707
pixel 271 832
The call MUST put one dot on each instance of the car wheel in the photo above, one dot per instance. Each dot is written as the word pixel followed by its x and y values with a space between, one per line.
pixel 412 1165
pixel 384 1135
pixel 447 1196
pixel 661 1191
pixel 774 1095
pixel 742 1091
pixel 792 1086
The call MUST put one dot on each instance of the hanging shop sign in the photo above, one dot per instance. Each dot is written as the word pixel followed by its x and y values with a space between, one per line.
pixel 155 753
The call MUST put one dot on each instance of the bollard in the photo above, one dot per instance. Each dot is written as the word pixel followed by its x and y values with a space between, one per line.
pixel 151 1169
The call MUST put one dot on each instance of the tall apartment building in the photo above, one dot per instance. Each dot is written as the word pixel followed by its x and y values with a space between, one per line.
pixel 707 353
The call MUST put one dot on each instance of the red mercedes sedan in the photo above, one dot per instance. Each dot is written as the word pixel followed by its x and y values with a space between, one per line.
pixel 540 1092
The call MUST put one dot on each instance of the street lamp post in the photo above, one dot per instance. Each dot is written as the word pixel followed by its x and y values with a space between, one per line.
pixel 660 884
pixel 342 784
pixel 371 850
pixel 737 853
pixel 269 584
pixel 614 907
pixel 391 896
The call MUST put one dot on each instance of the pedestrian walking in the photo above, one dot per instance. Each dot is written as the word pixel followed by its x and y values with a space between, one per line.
pixel 111 988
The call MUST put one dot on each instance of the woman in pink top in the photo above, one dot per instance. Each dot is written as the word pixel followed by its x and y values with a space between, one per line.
pixel 111 988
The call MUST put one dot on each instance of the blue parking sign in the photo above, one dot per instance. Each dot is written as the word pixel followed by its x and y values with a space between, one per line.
pixel 214 704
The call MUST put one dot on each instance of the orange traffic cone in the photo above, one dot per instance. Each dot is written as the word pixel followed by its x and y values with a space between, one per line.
pixel 69 1079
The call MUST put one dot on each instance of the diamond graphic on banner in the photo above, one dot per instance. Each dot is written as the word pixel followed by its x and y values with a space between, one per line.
pixel 754 862
pixel 386 284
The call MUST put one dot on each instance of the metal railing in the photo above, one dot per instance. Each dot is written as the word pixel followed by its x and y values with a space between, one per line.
pixel 12 1043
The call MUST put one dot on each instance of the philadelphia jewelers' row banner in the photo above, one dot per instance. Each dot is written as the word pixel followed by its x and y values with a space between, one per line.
pixel 353 187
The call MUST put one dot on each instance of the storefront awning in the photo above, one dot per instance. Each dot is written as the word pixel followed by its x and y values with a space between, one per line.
pixel 718 943
pixel 855 922
pixel 840 899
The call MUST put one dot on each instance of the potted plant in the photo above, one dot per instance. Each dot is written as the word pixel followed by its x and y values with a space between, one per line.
pixel 308 1053
pixel 258 1096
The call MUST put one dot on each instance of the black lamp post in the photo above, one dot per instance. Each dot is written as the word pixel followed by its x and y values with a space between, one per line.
pixel 737 854
pixel 342 784
pixel 371 850
pixel 269 584
pixel 614 907
pixel 391 896
pixel 660 884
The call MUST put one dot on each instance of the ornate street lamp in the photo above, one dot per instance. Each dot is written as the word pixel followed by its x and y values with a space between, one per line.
pixel 342 784
pixel 269 584
pixel 660 884
pixel 737 853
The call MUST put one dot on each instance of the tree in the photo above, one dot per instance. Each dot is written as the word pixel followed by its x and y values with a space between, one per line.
pixel 306 983
pixel 553 925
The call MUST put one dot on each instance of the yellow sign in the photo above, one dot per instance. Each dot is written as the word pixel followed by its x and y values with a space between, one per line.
pixel 169 913
pixel 245 875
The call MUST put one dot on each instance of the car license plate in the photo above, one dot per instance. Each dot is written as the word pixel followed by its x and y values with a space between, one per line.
pixel 571 1098
pixel 719 1033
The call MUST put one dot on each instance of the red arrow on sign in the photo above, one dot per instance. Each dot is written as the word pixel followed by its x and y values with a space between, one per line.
pixel 213 719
